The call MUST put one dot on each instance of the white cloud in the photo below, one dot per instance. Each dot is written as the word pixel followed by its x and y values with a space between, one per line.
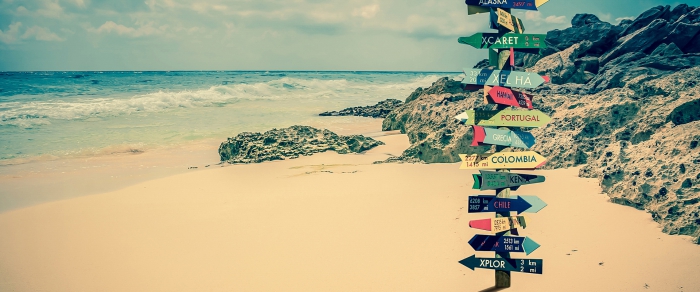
pixel 51 9
pixel 112 27
pixel 41 34
pixel 10 35
pixel 619 19
pixel 537 17
pixel 368 11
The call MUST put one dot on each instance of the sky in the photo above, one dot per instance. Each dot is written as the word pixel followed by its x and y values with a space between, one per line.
pixel 343 35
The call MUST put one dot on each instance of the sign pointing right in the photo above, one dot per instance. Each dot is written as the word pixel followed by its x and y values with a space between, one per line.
pixel 520 204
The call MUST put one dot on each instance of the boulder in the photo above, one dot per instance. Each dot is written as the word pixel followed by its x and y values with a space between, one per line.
pixel 588 63
pixel 682 34
pixel 679 11
pixel 667 50
pixel 379 110
pixel 560 67
pixel 638 41
pixel 584 19
pixel 693 45
pixel 647 17
pixel 692 16
pixel 289 143
pixel 602 35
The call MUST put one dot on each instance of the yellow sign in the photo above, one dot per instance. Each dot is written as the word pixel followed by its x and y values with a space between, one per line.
pixel 509 21
pixel 502 160
pixel 507 223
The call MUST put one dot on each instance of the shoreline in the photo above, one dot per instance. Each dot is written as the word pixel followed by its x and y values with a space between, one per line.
pixel 28 184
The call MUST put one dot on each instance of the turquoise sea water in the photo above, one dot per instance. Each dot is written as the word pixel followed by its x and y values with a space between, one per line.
pixel 52 115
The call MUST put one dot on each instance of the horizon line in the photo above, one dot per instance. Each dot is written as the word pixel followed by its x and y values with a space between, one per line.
pixel 344 71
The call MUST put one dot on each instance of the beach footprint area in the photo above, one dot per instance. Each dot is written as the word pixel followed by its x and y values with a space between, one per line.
pixel 329 222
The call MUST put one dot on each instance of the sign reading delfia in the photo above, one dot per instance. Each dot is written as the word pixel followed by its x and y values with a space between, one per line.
pixel 502 78
pixel 533 266
pixel 504 41
pixel 502 137
pixel 491 180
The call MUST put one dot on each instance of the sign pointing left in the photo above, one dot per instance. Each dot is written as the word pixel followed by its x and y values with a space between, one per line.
pixel 533 266
pixel 501 224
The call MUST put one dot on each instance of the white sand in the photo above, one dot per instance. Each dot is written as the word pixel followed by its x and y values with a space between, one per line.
pixel 295 226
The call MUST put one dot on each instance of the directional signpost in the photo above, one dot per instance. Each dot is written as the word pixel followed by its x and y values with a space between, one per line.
pixel 502 78
pixel 491 180
pixel 503 160
pixel 502 224
pixel 506 96
pixel 500 17
pixel 502 243
pixel 512 265
pixel 501 48
pixel 504 41
pixel 506 118
pixel 502 137
pixel 520 204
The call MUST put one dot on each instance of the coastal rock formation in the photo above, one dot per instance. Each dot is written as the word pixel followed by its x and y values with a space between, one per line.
pixel 379 110
pixel 625 107
pixel 288 143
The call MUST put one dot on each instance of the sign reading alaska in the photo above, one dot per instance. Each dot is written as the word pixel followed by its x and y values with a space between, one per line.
pixel 517 4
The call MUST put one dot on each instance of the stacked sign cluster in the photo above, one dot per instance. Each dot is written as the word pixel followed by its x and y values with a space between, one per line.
pixel 491 127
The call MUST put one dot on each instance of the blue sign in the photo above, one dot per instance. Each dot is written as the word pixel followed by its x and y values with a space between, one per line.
pixel 501 243
pixel 533 266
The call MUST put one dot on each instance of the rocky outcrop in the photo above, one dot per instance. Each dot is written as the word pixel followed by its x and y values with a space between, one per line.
pixel 625 107
pixel 379 110
pixel 289 143
pixel 561 66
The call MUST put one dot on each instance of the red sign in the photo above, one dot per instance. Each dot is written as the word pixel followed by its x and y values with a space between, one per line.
pixel 506 96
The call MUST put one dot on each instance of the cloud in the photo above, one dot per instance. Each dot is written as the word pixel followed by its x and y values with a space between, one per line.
pixel 113 27
pixel 41 34
pixel 9 36
pixel 619 19
pixel 537 17
pixel 368 11
pixel 51 9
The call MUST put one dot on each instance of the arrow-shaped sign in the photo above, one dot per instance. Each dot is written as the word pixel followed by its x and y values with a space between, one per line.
pixel 482 6
pixel 507 96
pixel 500 17
pixel 502 78
pixel 501 243
pixel 505 118
pixel 485 40
pixel 502 160
pixel 502 137
pixel 520 204
pixel 491 180
pixel 497 225
pixel 533 266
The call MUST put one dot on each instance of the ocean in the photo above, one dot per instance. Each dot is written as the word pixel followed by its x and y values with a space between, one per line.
pixel 54 115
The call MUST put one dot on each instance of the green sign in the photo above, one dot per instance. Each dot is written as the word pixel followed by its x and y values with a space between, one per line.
pixel 491 180
pixel 505 118
pixel 505 41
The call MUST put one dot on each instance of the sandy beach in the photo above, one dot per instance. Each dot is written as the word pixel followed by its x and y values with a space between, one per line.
pixel 329 222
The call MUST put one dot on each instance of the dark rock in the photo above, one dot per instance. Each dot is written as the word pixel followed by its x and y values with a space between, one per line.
pixel 379 110
pixel 693 45
pixel 560 67
pixel 602 35
pixel 580 20
pixel 687 183
pixel 483 64
pixel 685 113
pixel 647 17
pixel 679 11
pixel 691 17
pixel 667 50
pixel 682 34
pixel 589 64
pixel 625 23
pixel 288 143
pixel 638 41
